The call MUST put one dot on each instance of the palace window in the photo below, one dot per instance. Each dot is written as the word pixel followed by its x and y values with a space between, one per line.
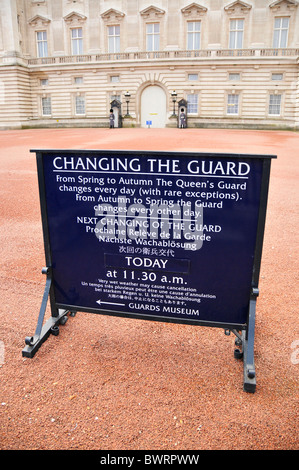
pixel 193 35
pixel 277 76
pixel 275 104
pixel 114 39
pixel 232 104
pixel 281 29
pixel 46 106
pixel 42 44
pixel 192 103
pixel 114 78
pixel 236 29
pixel 193 76
pixel 77 41
pixel 234 76
pixel 115 97
pixel 152 37
pixel 78 80
pixel 80 105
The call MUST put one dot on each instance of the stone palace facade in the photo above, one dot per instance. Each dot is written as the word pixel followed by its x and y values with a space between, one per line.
pixel 66 63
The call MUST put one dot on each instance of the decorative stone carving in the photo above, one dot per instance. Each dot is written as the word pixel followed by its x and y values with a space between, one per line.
pixel 112 15
pixel 74 17
pixel 152 12
pixel 237 7
pixel 194 9
pixel 39 20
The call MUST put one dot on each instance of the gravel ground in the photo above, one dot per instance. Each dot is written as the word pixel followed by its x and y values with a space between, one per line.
pixel 121 384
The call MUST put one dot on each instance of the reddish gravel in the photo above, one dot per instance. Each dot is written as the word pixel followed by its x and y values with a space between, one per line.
pixel 123 384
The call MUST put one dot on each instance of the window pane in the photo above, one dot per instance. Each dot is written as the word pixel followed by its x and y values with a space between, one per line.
pixel 232 104
pixel 193 35
pixel 110 44
pixel 152 36
pixel 196 40
pixel 156 42
pixel 239 40
pixel 276 39
pixel 42 45
pixel 40 49
pixel 280 34
pixel 284 36
pixel 46 106
pixel 114 78
pixel 232 40
pixel 149 28
pixel 233 24
pixel 274 104
pixel 77 41
pixel 115 97
pixel 234 76
pixel 236 34
pixel 190 42
pixel 77 47
pixel 117 44
pixel 192 104
pixel 80 105
pixel 192 76
pixel 149 46
pixel 277 76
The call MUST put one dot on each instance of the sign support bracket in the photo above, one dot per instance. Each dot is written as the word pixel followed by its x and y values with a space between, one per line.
pixel 249 384
pixel 42 332
pixel 245 341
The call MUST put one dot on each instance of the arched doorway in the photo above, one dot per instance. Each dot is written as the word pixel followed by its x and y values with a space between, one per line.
pixel 153 106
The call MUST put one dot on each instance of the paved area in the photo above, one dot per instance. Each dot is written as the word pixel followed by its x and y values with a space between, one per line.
pixel 123 384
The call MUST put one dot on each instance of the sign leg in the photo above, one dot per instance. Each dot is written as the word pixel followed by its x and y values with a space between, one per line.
pixel 42 332
pixel 248 346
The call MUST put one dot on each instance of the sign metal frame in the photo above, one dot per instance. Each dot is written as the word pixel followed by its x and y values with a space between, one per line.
pixel 244 332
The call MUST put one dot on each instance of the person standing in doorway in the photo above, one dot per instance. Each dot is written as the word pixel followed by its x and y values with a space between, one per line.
pixel 111 119
pixel 183 120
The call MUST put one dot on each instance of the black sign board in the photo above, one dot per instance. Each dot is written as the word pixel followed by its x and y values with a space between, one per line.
pixel 162 236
